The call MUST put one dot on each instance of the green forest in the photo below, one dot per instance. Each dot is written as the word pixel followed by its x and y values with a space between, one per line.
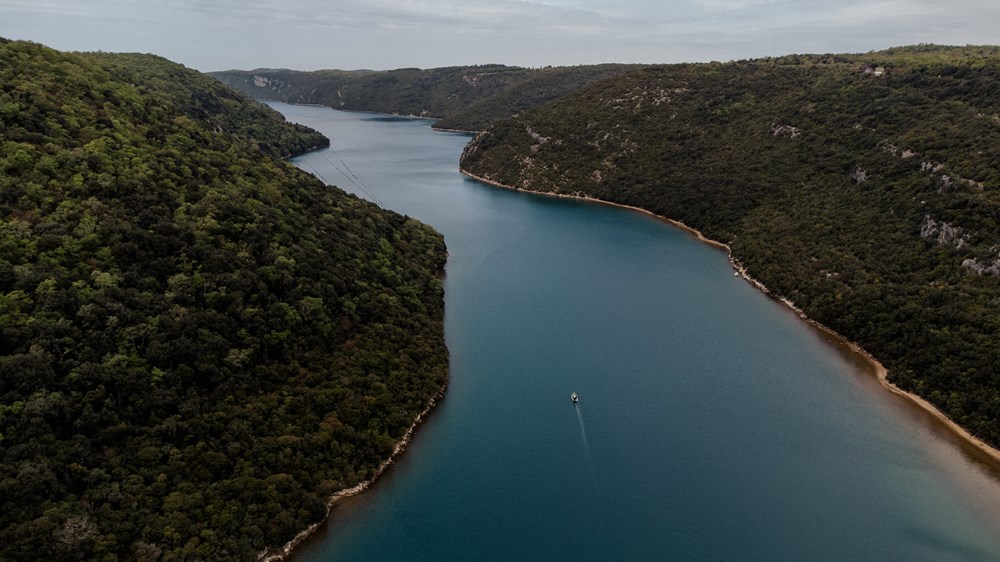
pixel 465 98
pixel 863 188
pixel 199 343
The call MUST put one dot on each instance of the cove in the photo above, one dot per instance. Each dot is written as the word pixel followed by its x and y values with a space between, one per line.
pixel 713 423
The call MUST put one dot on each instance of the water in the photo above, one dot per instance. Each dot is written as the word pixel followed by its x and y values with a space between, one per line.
pixel 712 425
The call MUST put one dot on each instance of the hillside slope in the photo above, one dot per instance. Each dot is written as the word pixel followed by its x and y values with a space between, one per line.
pixel 462 98
pixel 199 343
pixel 863 188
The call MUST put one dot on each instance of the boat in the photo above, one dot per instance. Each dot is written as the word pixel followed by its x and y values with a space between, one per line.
pixel 574 398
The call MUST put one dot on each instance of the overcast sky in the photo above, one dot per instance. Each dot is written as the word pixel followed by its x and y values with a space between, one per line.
pixel 383 34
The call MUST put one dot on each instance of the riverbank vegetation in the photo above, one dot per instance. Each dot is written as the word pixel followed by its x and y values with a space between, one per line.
pixel 863 188
pixel 199 343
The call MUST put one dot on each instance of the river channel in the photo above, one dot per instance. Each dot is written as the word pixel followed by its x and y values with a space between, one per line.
pixel 713 423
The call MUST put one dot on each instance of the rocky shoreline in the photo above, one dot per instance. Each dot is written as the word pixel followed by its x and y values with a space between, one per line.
pixel 275 555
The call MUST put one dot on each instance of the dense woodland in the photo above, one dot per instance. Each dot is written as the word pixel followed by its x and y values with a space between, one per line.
pixel 863 188
pixel 464 98
pixel 199 343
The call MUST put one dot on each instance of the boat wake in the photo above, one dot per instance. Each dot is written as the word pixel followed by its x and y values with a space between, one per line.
pixel 586 449
pixel 583 431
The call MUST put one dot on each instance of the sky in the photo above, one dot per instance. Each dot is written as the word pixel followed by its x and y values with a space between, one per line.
pixel 212 35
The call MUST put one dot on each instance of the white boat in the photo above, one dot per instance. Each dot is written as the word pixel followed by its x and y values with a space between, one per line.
pixel 574 398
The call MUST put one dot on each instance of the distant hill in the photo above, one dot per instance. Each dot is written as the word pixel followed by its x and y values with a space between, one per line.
pixel 863 188
pixel 199 343
pixel 463 98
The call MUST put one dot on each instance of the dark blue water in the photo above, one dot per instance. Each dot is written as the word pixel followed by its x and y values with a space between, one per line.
pixel 713 424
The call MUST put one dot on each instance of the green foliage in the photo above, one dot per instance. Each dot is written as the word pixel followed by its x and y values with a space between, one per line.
pixel 200 343
pixel 463 98
pixel 864 188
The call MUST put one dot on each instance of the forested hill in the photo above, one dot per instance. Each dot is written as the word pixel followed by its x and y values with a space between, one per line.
pixel 199 343
pixel 464 98
pixel 864 188
pixel 212 105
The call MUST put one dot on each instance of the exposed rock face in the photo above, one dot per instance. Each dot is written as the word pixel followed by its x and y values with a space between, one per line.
pixel 982 268
pixel 267 82
pixel 785 131
pixel 931 167
pixel 859 175
pixel 635 98
pixel 943 233
pixel 537 137
pixel 946 234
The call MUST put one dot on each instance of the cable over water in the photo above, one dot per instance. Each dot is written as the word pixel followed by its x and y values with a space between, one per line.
pixel 345 171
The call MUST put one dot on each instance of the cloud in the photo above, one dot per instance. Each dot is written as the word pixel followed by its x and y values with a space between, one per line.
pixel 733 5
pixel 45 7
pixel 214 34
pixel 459 16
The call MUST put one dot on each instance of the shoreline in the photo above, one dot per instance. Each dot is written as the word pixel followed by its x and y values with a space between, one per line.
pixel 462 131
pixel 400 115
pixel 271 554
pixel 989 453
pixel 276 555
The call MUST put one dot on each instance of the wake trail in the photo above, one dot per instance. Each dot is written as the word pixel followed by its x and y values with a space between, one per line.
pixel 586 449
